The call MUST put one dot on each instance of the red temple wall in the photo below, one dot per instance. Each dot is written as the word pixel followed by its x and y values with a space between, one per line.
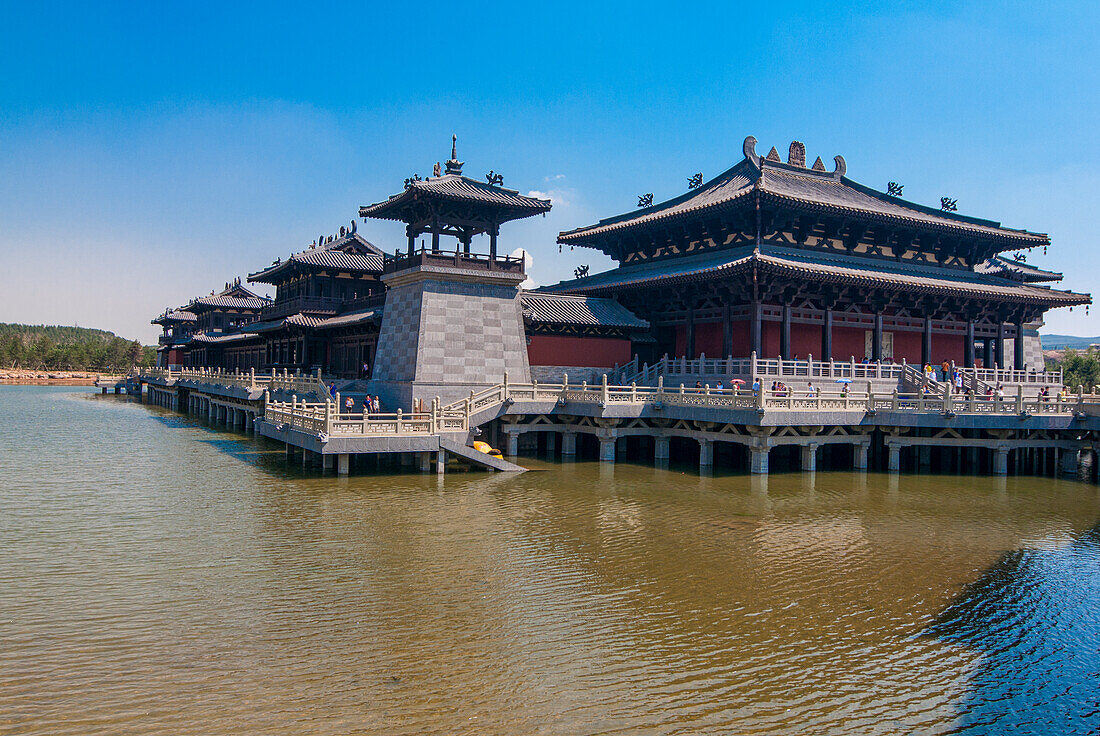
pixel 948 347
pixel 708 339
pixel 595 352
pixel 742 339
pixel 907 346
pixel 805 341
pixel 848 342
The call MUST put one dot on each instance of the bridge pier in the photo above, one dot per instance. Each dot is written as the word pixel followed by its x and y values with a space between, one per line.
pixel 1070 460
pixel 607 449
pixel 660 448
pixel 425 462
pixel 706 453
pixel 327 462
pixel 893 463
pixel 809 457
pixel 343 463
pixel 441 462
pixel 513 443
pixel 862 451
pixel 759 460
pixel 568 445
pixel 1000 460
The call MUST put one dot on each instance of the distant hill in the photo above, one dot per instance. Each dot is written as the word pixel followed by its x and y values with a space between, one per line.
pixel 1060 342
pixel 58 347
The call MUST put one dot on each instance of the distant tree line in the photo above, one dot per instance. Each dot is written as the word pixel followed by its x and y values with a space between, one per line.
pixel 50 347
pixel 1079 368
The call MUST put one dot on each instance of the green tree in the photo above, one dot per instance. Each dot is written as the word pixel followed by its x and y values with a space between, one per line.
pixel 1079 369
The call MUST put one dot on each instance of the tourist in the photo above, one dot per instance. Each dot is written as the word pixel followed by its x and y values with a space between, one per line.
pixel 366 371
pixel 946 367
pixel 719 384
pixel 959 380
pixel 376 405
pixel 811 389
pixel 366 406
pixel 698 384
pixel 1000 392
pixel 332 391
pixel 844 389
pixel 756 386
pixel 349 404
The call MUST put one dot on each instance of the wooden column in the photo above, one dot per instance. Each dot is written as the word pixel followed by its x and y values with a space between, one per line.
pixel 785 333
pixel 926 343
pixel 412 239
pixel 968 351
pixel 756 318
pixel 493 241
pixel 876 338
pixel 1000 345
pixel 727 332
pixel 689 346
pixel 827 335
pixel 1018 346
pixel 988 357
pixel 435 233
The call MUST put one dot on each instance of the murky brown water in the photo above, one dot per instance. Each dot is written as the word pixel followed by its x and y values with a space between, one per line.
pixel 161 577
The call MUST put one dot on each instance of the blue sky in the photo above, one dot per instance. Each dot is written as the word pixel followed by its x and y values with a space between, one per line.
pixel 149 153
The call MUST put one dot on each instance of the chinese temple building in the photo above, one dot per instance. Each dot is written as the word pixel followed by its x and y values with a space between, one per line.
pixel 784 259
pixel 203 321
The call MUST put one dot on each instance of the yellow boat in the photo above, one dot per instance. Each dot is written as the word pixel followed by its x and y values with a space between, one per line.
pixel 486 448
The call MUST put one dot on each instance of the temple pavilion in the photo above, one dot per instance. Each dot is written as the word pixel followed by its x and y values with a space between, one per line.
pixel 791 260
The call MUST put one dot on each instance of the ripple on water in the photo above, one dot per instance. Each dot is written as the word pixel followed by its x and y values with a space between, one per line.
pixel 159 576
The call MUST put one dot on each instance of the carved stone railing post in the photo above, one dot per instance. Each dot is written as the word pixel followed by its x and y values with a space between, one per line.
pixel 603 389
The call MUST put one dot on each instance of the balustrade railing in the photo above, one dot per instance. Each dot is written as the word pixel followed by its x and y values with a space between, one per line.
pixel 779 368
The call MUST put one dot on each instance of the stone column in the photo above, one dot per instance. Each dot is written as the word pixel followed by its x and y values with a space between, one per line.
pixel 706 453
pixel 620 446
pixel 689 343
pixel 441 462
pixel 809 457
pixel 607 449
pixel 988 350
pixel 568 445
pixel 327 462
pixel 727 332
pixel 513 444
pixel 1001 345
pixel 425 462
pixel 759 462
pixel 551 443
pixel 1000 461
pixel 924 454
pixel 893 463
pixel 660 448
pixel 827 335
pixel 343 463
pixel 862 451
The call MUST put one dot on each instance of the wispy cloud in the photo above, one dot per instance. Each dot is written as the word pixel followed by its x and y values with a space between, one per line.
pixel 557 197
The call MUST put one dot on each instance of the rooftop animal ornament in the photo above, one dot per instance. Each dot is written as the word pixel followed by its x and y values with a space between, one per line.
pixel 580 272
pixel 343 232
pixel 411 179
pixel 696 180
pixel 494 178
pixel 1019 257
pixel 949 205
pixel 894 189
pixel 437 170
pixel 645 200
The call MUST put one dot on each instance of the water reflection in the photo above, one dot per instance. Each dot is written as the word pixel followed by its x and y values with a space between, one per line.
pixel 1035 617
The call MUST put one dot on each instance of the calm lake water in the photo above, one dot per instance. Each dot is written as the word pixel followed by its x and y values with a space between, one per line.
pixel 161 577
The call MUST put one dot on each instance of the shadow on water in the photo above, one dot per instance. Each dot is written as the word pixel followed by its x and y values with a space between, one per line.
pixel 1035 617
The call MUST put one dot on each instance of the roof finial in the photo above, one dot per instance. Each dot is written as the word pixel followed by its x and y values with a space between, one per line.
pixel 454 166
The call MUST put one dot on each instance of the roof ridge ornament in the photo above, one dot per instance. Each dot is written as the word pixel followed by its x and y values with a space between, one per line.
pixel 454 166
pixel 749 149
pixel 819 165
pixel 796 154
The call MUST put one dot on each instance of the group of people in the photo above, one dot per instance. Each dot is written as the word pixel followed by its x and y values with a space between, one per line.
pixel 369 405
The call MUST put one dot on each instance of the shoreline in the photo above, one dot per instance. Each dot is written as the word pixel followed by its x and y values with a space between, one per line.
pixel 49 378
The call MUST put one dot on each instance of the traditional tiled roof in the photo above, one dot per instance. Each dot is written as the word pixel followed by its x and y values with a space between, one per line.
pixel 812 189
pixel 564 309
pixel 820 266
pixel 233 296
pixel 174 316
pixel 509 203
pixel 349 252
pixel 351 318
pixel 218 339
pixel 294 320
pixel 1016 270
